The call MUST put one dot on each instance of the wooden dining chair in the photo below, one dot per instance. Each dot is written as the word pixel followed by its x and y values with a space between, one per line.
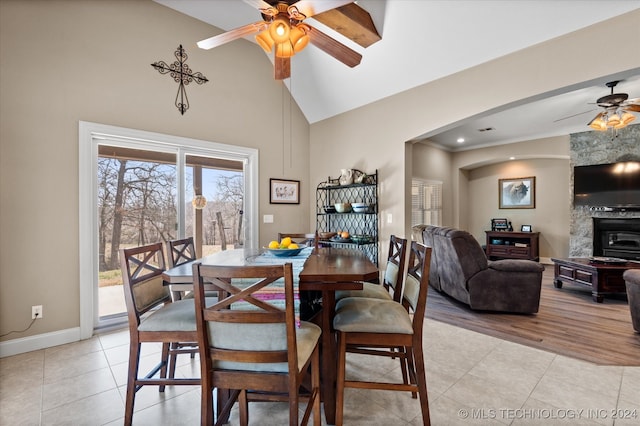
pixel 372 326
pixel 153 317
pixel 180 251
pixel 251 347
pixel 306 239
pixel 391 287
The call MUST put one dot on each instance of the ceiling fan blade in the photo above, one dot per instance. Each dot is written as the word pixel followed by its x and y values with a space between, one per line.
pixel 258 4
pixel 310 8
pixel 334 48
pixel 574 115
pixel 353 22
pixel 632 107
pixel 231 35
pixel 282 68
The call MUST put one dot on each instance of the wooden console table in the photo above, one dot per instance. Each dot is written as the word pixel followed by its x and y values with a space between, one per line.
pixel 601 277
pixel 512 245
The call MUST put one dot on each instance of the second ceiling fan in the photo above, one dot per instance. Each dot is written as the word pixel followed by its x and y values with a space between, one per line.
pixel 283 31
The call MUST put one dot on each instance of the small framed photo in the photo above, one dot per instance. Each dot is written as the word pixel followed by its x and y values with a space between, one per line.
pixel 518 193
pixel 283 191
pixel 525 228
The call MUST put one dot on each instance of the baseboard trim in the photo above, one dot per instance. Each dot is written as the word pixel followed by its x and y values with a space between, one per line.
pixel 39 341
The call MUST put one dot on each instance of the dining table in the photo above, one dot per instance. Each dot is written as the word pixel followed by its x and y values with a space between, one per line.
pixel 321 271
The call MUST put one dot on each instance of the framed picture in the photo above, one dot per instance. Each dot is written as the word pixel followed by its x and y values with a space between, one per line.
pixel 284 191
pixel 525 228
pixel 518 193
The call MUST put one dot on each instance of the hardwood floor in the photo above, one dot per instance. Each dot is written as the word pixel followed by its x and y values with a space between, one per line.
pixel 568 323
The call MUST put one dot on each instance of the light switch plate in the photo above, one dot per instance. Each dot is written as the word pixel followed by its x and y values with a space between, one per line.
pixel 267 218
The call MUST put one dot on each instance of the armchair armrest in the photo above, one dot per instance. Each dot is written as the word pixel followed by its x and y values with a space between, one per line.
pixel 515 265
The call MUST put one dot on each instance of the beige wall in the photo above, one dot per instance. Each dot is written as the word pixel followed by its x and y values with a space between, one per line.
pixel 68 61
pixel 477 173
pixel 375 135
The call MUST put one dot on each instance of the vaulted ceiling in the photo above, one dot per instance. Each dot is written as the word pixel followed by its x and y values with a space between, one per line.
pixel 424 40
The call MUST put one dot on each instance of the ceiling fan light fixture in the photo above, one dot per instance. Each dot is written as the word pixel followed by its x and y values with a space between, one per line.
pixel 625 119
pixel 598 124
pixel 299 37
pixel 614 120
pixel 265 41
pixel 280 29
pixel 284 50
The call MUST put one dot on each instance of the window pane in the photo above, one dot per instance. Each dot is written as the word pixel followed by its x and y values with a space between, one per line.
pixel 136 206
pixel 426 202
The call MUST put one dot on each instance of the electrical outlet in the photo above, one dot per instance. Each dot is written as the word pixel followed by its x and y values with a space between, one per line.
pixel 36 310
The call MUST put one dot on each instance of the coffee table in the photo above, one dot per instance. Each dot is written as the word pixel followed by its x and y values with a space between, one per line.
pixel 603 275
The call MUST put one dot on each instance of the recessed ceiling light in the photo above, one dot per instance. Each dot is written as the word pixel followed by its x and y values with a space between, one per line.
pixel 512 158
pixel 460 140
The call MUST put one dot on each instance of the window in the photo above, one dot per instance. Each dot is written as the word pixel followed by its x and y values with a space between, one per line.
pixel 160 174
pixel 426 202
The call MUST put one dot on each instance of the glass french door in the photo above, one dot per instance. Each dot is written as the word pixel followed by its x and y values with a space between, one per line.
pixel 138 193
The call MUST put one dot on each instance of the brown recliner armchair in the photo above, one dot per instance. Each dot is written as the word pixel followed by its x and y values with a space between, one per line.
pixel 632 281
pixel 460 268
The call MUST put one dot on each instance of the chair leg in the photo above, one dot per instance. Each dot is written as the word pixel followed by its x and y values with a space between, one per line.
pixel 411 368
pixel 206 401
pixel 340 377
pixel 165 363
pixel 134 360
pixel 243 404
pixel 420 373
pixel 315 386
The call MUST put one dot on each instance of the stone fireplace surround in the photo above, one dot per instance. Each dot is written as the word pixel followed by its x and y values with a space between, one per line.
pixel 598 148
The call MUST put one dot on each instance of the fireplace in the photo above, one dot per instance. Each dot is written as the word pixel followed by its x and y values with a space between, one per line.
pixel 616 238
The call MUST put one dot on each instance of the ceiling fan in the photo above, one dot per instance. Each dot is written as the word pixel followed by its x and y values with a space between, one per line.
pixel 282 30
pixel 617 110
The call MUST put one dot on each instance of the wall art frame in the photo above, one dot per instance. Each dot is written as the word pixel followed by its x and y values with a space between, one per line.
pixel 517 193
pixel 284 191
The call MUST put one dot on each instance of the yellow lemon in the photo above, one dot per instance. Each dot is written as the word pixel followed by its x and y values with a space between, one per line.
pixel 286 241
pixel 292 246
pixel 274 245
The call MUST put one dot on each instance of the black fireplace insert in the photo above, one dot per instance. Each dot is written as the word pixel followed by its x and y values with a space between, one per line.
pixel 617 238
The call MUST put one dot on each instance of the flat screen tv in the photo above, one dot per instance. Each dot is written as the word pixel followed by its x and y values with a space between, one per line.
pixel 615 185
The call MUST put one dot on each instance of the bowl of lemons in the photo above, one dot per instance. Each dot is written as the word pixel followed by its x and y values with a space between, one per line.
pixel 285 248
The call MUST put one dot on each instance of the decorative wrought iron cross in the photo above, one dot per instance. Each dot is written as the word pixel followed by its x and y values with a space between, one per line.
pixel 181 74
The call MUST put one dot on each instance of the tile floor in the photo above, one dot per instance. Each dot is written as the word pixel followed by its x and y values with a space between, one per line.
pixel 473 379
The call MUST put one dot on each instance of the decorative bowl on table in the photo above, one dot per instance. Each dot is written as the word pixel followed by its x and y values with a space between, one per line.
pixel 286 252
pixel 343 207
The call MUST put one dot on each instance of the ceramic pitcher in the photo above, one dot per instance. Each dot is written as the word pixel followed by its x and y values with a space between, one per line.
pixel 346 176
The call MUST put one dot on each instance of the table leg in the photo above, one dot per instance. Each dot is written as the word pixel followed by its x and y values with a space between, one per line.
pixel 328 357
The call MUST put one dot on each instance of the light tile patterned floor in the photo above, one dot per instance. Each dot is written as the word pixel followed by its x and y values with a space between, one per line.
pixel 473 379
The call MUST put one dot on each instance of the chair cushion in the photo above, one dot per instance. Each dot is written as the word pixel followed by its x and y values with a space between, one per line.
pixel 230 336
pixel 359 314
pixel 371 290
pixel 176 316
